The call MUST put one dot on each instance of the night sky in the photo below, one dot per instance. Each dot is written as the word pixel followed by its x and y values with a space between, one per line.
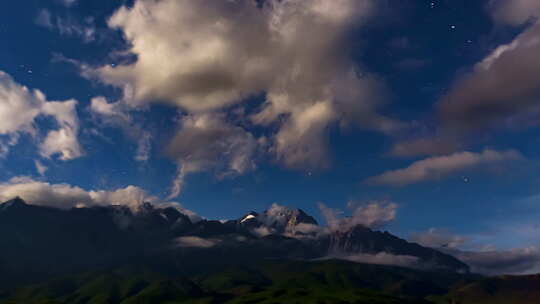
pixel 426 111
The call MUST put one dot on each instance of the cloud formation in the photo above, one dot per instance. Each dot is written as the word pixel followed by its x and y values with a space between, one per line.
pixel 117 114
pixel 210 142
pixel 205 56
pixel 63 141
pixel 514 12
pixel 374 215
pixel 488 260
pixel 65 196
pixel 438 238
pixel 383 258
pixel 40 167
pixel 69 26
pixel 426 146
pixel 499 87
pixel 20 107
pixel 513 261
pixel 498 92
pixel 194 242
pixel 437 167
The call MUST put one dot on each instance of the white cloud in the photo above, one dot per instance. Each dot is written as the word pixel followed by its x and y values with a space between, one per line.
pixel 195 242
pixel 210 142
pixel 19 107
pixel 63 141
pixel 65 196
pixel 382 258
pixel 372 214
pixel 304 231
pixel 117 114
pixel 68 26
pixel 112 111
pixel 438 238
pixel 307 229
pixel 263 231
pixel 204 56
pixel 441 166
pixel 40 167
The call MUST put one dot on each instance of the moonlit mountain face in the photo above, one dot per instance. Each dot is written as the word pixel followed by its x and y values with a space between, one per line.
pixel 234 148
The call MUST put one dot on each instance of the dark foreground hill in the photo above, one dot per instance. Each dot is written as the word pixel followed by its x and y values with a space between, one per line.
pixel 278 281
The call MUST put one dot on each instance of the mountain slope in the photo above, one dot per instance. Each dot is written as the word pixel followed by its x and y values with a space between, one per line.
pixel 40 241
pixel 361 239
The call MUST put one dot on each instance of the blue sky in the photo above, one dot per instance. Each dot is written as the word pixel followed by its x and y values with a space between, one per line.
pixel 346 94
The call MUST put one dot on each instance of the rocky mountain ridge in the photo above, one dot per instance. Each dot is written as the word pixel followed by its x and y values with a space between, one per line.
pixel 85 237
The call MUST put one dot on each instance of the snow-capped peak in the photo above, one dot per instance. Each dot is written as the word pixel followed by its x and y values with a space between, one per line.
pixel 247 217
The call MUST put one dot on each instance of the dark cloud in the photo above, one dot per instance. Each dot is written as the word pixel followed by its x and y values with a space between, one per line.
pixel 502 85
pixel 497 91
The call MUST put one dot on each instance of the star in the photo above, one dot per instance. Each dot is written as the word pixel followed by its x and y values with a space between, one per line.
pixel 453 27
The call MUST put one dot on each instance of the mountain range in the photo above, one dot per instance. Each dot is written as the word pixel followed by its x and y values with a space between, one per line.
pixel 155 254
pixel 40 241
